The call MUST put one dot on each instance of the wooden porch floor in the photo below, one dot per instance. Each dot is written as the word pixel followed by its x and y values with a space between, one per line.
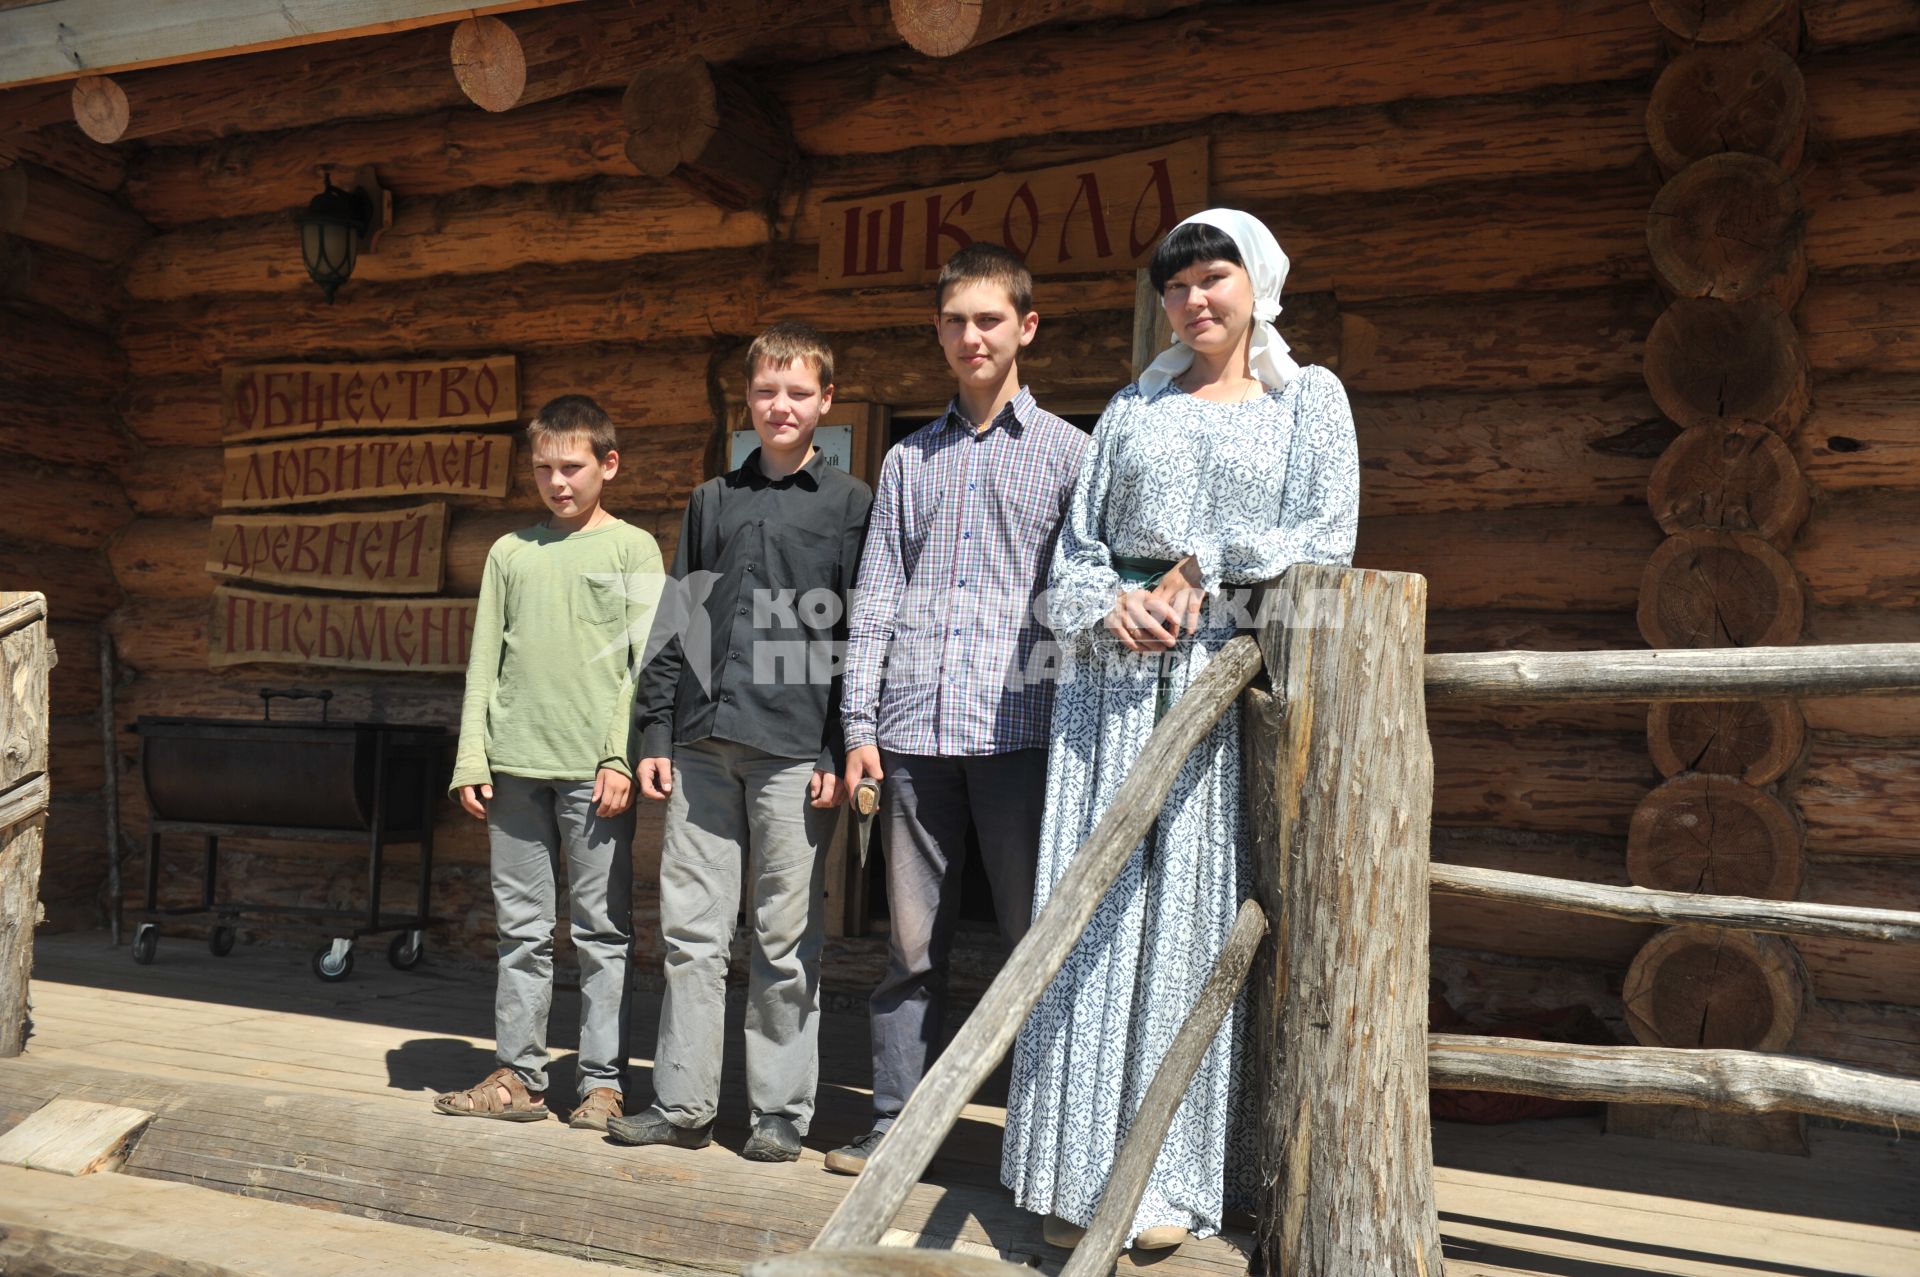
pixel 271 1084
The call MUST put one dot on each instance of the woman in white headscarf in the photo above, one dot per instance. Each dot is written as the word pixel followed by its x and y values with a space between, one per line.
pixel 1226 463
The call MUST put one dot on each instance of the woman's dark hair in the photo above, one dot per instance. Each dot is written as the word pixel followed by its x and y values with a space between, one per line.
pixel 1187 244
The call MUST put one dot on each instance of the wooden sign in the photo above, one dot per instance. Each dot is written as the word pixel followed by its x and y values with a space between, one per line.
pixel 303 471
pixel 1105 214
pixel 271 401
pixel 382 552
pixel 425 635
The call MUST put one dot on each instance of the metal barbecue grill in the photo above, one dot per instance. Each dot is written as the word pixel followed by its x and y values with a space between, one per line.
pixel 310 780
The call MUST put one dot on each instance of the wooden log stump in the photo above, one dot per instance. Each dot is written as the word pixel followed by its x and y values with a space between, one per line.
pixel 1731 21
pixel 100 108
pixel 1708 987
pixel 1711 362
pixel 1340 789
pixel 1756 741
pixel 1749 98
pixel 1730 226
pixel 1718 835
pixel 711 129
pixel 1719 589
pixel 1740 478
pixel 489 63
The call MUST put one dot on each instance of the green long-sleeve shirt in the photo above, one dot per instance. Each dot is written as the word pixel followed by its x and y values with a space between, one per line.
pixel 559 637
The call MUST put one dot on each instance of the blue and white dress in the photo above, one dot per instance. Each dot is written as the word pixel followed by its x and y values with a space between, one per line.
pixel 1249 489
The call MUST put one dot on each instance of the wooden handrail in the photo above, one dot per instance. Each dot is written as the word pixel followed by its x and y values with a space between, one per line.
pixel 1113 1222
pixel 1641 904
pixel 1726 1081
pixel 1708 674
pixel 897 1164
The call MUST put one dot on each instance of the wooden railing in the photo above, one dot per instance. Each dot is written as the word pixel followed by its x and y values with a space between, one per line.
pixel 1340 786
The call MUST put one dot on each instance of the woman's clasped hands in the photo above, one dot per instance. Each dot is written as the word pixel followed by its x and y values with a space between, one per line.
pixel 1153 620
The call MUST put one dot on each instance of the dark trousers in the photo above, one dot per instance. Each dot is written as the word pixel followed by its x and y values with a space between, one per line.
pixel 927 806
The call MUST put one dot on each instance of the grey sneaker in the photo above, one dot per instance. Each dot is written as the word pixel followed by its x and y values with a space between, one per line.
pixel 852 1159
pixel 652 1127
pixel 774 1139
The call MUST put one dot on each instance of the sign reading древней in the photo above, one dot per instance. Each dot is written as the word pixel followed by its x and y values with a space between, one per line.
pixel 426 635
pixel 1105 214
pixel 270 401
pixel 379 551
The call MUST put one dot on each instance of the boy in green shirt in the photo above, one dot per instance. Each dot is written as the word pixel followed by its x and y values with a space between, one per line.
pixel 546 759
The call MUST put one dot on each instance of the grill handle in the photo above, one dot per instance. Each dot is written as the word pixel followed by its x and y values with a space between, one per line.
pixel 270 694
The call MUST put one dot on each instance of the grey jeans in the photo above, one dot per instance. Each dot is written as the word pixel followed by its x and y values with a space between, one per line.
pixel 734 807
pixel 927 806
pixel 532 825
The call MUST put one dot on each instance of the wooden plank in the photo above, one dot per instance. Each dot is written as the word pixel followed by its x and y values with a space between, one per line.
pixel 271 401
pixel 58 39
pixel 1065 220
pixel 72 1137
pixel 423 634
pixel 377 552
pixel 296 473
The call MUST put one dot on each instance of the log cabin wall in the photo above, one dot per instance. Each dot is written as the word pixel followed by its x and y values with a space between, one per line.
pixel 1464 190
pixel 65 236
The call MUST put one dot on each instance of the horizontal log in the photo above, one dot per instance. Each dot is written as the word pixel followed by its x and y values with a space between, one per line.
pixel 1493 630
pixel 69 284
pixel 78 584
pixel 1875 1035
pixel 1639 904
pixel 1862 93
pixel 1560 782
pixel 63 505
pixel 1864 433
pixel 50 423
pixel 1858 798
pixel 1863 204
pixel 1836 22
pixel 41 205
pixel 58 353
pixel 1725 1081
pixel 1721 674
pixel 68 152
pixel 1263 59
pixel 941 29
pixel 1862 325
pixel 1862 548
pixel 1592 337
pixel 1571 129
pixel 1580 559
pixel 535 307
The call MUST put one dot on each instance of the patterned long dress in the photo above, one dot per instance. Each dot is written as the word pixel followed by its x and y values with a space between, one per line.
pixel 1249 489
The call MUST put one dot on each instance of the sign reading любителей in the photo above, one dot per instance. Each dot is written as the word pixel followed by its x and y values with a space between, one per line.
pixel 1104 214
pixel 273 401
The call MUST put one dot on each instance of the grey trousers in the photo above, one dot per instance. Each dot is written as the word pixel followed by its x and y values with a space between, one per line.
pixel 732 807
pixel 927 806
pixel 531 825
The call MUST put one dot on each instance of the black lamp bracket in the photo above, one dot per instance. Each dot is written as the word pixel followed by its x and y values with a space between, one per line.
pixel 374 201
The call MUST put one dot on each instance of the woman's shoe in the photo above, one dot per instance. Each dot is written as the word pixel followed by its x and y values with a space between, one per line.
pixel 1165 1237
pixel 1062 1233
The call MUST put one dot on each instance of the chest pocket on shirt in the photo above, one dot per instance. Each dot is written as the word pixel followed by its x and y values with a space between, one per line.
pixel 599 600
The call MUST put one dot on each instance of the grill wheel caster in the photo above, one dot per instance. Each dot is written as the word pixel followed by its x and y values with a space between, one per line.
pixel 220 941
pixel 406 949
pixel 335 962
pixel 146 942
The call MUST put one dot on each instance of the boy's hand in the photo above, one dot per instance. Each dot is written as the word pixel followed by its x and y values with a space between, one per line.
pixel 474 799
pixel 825 789
pixel 612 792
pixel 863 763
pixel 656 778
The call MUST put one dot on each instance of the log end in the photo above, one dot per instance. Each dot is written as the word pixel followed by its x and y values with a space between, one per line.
pixel 489 63
pixel 1729 226
pixel 1730 21
pixel 1740 478
pixel 1749 98
pixel 1705 987
pixel 1717 835
pixel 1719 589
pixel 1710 361
pixel 941 28
pixel 100 108
pixel 1755 741
pixel 671 113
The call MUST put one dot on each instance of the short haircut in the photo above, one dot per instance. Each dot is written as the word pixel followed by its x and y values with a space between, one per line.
pixel 787 341
pixel 984 263
pixel 1186 244
pixel 572 417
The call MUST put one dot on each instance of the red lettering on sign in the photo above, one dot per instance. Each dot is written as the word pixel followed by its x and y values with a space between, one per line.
pixel 1159 181
pixel 1089 188
pixel 938 227
pixel 1022 197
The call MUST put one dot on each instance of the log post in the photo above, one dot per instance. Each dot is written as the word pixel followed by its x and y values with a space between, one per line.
pixel 1340 785
pixel 1749 98
pixel 26 660
pixel 711 129
pixel 1729 226
pixel 1717 835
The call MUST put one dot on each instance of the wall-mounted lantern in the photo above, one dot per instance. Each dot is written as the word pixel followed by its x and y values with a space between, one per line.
pixel 339 225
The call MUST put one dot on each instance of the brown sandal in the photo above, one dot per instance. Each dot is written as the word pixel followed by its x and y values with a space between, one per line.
pixel 591 1114
pixel 483 1100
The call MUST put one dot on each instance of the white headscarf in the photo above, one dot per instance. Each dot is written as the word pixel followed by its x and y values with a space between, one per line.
pixel 1267 271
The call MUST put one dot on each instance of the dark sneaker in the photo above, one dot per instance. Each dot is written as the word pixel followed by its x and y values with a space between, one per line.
pixel 852 1159
pixel 652 1127
pixel 774 1139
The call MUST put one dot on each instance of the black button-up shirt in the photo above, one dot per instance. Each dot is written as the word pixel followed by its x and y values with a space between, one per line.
pixel 759 593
